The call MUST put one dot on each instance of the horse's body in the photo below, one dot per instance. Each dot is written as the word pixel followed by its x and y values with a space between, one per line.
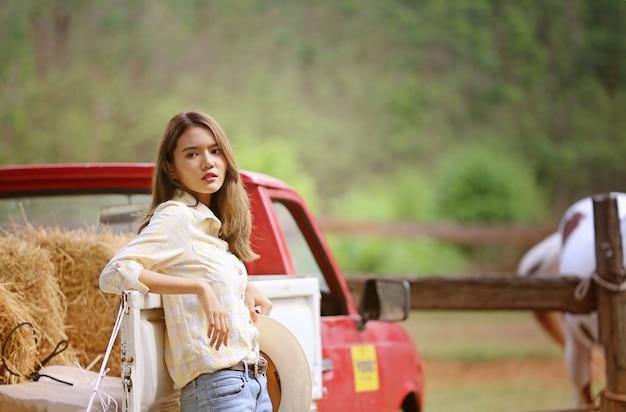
pixel 571 251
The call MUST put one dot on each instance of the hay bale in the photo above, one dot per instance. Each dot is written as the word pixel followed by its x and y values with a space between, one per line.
pixel 78 257
pixel 31 293
pixel 20 350
pixel 28 272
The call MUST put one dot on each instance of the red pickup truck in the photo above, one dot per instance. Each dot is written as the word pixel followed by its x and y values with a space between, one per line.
pixel 366 361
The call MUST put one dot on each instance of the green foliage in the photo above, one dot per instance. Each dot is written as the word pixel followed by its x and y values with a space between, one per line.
pixel 384 88
pixel 405 196
pixel 482 184
pixel 277 159
pixel 396 256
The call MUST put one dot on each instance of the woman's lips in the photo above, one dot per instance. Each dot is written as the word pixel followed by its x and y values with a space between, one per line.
pixel 209 177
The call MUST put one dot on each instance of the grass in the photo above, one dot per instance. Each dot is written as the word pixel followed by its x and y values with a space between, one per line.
pixel 479 336
pixel 489 361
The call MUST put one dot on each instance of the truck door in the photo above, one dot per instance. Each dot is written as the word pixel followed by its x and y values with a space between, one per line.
pixel 352 350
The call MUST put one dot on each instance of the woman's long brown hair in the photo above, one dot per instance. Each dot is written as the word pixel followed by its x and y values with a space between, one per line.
pixel 230 203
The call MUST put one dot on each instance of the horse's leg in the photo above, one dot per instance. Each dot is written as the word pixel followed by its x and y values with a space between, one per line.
pixel 577 359
pixel 550 322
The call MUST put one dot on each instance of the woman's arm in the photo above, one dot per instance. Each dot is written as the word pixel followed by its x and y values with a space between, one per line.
pixel 174 285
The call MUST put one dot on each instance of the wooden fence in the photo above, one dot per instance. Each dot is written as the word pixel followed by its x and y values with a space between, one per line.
pixel 509 292
pixel 462 234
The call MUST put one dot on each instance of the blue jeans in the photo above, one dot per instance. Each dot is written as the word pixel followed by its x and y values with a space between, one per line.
pixel 226 391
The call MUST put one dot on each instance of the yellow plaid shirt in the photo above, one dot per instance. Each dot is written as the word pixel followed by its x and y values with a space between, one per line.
pixel 182 240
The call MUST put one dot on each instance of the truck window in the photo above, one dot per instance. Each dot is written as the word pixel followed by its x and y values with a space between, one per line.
pixel 303 258
pixel 75 211
pixel 301 255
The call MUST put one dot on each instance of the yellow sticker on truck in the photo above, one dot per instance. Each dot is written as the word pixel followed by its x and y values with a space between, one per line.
pixel 365 366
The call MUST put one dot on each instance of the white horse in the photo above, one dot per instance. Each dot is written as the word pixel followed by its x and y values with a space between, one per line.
pixel 571 251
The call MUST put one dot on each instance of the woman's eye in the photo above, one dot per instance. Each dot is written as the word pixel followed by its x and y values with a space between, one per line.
pixel 216 151
pixel 192 154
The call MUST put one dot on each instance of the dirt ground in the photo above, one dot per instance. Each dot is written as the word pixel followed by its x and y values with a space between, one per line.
pixel 549 371
pixel 491 362
pixel 501 386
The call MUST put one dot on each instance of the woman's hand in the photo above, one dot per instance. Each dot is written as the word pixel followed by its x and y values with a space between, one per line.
pixel 255 298
pixel 216 315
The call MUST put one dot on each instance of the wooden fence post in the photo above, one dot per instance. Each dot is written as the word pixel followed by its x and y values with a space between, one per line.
pixel 610 300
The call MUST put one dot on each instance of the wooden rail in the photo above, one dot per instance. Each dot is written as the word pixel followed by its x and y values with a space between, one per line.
pixel 470 235
pixel 489 292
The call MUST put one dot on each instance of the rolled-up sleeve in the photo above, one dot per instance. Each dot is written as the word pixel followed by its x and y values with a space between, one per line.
pixel 159 244
pixel 122 275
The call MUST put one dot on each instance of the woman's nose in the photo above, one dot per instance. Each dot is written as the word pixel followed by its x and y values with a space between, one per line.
pixel 207 161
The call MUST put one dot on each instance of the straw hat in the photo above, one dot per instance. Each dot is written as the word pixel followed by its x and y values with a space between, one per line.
pixel 288 375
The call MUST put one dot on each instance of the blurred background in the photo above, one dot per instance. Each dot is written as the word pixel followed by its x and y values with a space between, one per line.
pixel 480 113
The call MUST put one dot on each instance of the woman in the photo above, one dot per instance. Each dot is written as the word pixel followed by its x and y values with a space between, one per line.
pixel 190 249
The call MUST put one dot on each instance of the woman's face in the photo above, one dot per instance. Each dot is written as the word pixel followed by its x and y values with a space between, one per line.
pixel 199 163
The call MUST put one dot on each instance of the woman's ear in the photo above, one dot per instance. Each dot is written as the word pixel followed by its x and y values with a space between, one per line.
pixel 169 169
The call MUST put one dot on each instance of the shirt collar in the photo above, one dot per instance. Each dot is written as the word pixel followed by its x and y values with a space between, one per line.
pixel 203 211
